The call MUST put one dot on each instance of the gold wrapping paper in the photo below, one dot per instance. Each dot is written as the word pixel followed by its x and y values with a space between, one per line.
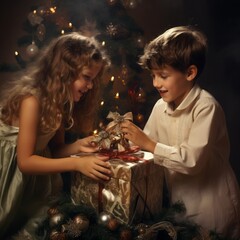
pixel 133 194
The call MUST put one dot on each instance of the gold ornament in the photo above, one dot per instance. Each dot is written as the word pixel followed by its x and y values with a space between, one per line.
pixel 52 211
pixel 32 50
pixel 82 222
pixel 41 31
pixel 113 224
pixel 56 219
pixel 126 234
pixel 55 235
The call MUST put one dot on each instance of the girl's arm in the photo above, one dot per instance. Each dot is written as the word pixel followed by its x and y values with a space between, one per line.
pixel 60 149
pixel 28 162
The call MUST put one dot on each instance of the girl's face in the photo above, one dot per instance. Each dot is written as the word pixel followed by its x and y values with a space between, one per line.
pixel 84 82
pixel 172 85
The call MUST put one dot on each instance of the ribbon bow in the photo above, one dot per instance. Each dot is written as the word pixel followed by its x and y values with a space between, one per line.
pixel 117 119
pixel 103 139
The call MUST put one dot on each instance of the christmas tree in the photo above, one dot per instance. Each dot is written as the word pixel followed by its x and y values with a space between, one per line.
pixel 110 23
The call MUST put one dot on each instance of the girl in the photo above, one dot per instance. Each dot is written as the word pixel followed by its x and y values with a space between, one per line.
pixel 57 92
pixel 187 133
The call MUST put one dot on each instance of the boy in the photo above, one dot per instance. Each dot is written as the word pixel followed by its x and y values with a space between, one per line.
pixel 187 132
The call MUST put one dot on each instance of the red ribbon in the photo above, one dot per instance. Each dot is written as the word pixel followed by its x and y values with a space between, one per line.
pixel 129 155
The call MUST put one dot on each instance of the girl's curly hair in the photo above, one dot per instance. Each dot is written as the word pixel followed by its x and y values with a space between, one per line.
pixel 49 79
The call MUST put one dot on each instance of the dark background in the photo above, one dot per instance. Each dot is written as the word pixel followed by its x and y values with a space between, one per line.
pixel 219 20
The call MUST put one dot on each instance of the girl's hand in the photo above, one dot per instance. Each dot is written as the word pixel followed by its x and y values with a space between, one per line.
pixel 94 166
pixel 87 145
pixel 137 136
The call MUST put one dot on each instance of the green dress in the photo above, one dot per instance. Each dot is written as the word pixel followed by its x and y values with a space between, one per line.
pixel 21 195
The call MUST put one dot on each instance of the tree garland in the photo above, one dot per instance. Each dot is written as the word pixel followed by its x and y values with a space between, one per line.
pixel 66 220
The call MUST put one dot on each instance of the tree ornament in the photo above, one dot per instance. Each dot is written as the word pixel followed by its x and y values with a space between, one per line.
pixel 32 50
pixel 141 230
pixel 52 211
pixel 126 234
pixel 112 30
pixel 34 19
pixel 140 95
pixel 104 218
pixel 116 31
pixel 72 229
pixel 82 222
pixel 113 224
pixel 56 219
pixel 55 235
pixel 41 32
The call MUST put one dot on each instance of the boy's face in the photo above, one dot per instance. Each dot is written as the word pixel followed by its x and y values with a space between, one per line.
pixel 172 85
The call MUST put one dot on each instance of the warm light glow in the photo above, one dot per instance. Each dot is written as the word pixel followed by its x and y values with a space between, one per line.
pixel 16 53
pixel 62 32
pixel 103 43
pixel 70 25
pixel 34 11
pixel 112 78
pixel 102 103
pixel 95 131
pixel 52 9
pixel 117 95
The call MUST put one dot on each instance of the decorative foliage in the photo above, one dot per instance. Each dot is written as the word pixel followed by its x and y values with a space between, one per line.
pixel 74 221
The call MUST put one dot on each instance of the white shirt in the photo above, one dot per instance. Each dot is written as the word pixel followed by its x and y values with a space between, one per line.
pixel 193 148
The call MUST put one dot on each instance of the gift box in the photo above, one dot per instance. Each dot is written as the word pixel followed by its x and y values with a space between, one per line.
pixel 133 194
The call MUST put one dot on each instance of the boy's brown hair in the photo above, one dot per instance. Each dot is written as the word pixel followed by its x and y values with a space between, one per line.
pixel 178 47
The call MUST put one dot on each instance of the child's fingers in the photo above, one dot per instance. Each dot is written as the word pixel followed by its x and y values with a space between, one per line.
pixel 102 173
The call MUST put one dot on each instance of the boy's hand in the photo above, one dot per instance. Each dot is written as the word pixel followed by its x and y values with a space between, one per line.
pixel 137 136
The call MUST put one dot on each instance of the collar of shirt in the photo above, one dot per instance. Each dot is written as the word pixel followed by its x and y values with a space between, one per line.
pixel 192 95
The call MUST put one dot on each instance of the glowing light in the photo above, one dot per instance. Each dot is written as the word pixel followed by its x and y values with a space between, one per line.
pixel 103 43
pixel 52 9
pixel 16 53
pixel 102 103
pixel 34 11
pixel 62 32
pixel 112 79
pixel 117 95
pixel 70 25
pixel 95 131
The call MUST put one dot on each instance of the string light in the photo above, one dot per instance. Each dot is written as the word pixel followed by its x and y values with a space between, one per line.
pixel 103 43
pixel 102 103
pixel 62 32
pixel 70 25
pixel 95 131
pixel 112 79
pixel 117 96
pixel 52 9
